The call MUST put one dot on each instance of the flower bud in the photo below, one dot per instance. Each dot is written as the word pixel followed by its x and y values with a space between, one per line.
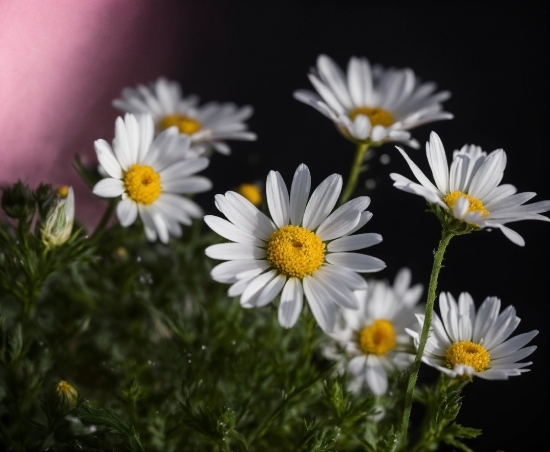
pixel 59 222
pixel 67 394
pixel 45 197
pixel 17 201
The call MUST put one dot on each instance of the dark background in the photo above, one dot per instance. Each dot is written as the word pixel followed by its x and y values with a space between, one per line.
pixel 495 62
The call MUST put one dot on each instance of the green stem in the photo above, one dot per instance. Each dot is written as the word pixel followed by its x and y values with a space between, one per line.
pixel 105 218
pixel 356 169
pixel 438 259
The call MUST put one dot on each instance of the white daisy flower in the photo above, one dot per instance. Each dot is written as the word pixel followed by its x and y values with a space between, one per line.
pixel 470 189
pixel 375 335
pixel 150 175
pixel 207 126
pixel 304 250
pixel 374 105
pixel 465 344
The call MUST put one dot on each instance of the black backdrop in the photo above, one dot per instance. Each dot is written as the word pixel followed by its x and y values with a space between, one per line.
pixel 495 62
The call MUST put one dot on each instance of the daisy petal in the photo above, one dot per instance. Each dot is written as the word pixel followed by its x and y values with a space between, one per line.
pixel 277 198
pixel 320 304
pixel 231 232
pixel 127 212
pixel 109 188
pixel 322 201
pixel 377 378
pixel 234 251
pixel 107 159
pixel 361 263
pixel 291 302
pixel 255 287
pixel 270 291
pixel 299 192
pixel 227 272
pixel 354 242
pixel 351 279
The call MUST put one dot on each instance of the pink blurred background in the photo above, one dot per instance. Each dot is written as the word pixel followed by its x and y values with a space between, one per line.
pixel 61 64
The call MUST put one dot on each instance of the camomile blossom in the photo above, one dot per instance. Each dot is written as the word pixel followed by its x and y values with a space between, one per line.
pixel 469 190
pixel 207 125
pixel 150 175
pixel 464 343
pixel 373 104
pixel 374 338
pixel 304 250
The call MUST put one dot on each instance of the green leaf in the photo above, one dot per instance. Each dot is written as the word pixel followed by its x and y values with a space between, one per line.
pixel 116 424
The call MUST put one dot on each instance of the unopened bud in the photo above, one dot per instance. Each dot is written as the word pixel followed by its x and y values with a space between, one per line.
pixel 67 393
pixel 17 201
pixel 59 222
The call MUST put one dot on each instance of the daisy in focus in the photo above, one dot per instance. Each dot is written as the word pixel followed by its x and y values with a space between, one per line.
pixel 304 250
pixel 151 175
pixel 373 105
pixel 375 335
pixel 469 190
pixel 465 344
pixel 207 126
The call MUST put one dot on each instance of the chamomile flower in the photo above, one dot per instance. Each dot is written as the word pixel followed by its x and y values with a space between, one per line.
pixel 464 343
pixel 207 125
pixel 304 250
pixel 470 190
pixel 373 105
pixel 150 175
pixel 373 337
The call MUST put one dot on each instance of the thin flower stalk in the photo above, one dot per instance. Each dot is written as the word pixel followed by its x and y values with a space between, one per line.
pixel 356 169
pixel 438 260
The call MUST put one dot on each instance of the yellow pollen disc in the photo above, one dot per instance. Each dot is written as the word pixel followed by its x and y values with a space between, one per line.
pixel 142 184
pixel 377 116
pixel 295 251
pixel 185 124
pixel 378 338
pixel 475 204
pixel 468 354
pixel 250 192
pixel 63 191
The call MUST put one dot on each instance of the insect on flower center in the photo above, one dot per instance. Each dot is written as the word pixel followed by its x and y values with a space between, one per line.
pixel 468 354
pixel 295 251
pixel 250 192
pixel 378 338
pixel 185 124
pixel 142 184
pixel 377 116
pixel 475 204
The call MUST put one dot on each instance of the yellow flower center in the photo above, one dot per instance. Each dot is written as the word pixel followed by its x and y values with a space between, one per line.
pixel 475 204
pixel 377 116
pixel 295 251
pixel 378 338
pixel 185 124
pixel 142 184
pixel 468 354
pixel 250 192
